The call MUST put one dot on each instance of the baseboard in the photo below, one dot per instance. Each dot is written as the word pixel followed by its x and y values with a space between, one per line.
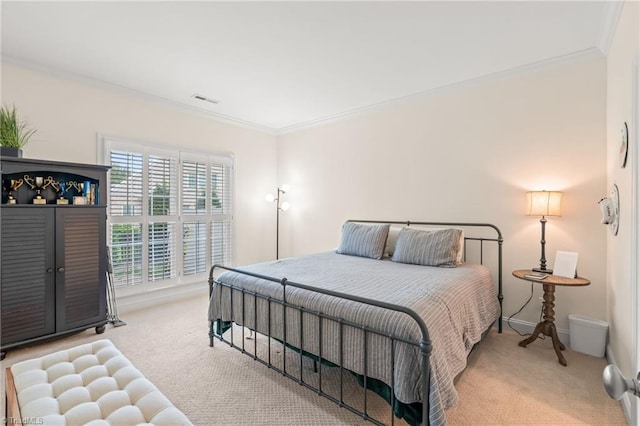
pixel 158 297
pixel 526 327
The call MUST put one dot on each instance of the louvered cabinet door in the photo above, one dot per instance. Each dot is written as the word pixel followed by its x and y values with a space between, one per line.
pixel 27 277
pixel 80 267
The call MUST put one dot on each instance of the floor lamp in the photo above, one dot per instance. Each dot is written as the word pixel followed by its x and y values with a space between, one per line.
pixel 284 206
pixel 543 203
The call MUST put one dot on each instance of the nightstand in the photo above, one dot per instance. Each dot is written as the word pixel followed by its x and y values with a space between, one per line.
pixel 548 327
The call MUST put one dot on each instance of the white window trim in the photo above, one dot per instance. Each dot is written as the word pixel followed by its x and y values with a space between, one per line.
pixel 106 143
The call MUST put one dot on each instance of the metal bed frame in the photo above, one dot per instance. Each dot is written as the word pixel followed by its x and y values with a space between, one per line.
pixel 424 345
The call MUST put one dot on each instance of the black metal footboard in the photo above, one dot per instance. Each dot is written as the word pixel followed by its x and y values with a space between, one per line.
pixel 251 305
pixel 424 345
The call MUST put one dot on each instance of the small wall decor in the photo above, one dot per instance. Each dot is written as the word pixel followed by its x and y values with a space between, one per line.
pixel 610 209
pixel 624 145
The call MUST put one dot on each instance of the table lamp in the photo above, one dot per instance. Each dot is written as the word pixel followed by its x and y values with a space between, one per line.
pixel 543 203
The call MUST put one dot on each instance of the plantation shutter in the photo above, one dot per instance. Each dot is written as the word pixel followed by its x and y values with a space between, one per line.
pixel 194 241
pixel 126 253
pixel 220 242
pixel 170 213
pixel 194 187
pixel 162 248
pixel 125 200
pixel 162 175
pixel 163 185
pixel 125 184
pixel 194 204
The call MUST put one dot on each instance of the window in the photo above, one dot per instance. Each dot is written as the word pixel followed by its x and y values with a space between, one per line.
pixel 169 213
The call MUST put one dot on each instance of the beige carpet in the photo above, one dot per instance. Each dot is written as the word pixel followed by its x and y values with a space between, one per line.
pixel 503 384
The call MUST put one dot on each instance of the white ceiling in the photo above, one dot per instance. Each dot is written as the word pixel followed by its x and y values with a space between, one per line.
pixel 283 65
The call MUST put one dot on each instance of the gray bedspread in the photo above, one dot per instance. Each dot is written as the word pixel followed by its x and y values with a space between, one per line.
pixel 456 304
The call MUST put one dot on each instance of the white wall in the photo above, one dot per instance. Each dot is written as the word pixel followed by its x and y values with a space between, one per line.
pixel 69 113
pixel 467 154
pixel 461 154
pixel 621 290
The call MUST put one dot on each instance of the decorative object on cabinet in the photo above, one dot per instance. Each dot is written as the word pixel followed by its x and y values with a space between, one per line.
pixel 284 206
pixel 79 200
pixel 60 188
pixel 14 134
pixel 543 203
pixel 53 276
pixel 610 209
pixel 624 145
pixel 38 184
pixel 11 185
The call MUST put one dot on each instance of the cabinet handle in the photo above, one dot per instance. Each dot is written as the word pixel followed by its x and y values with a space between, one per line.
pixel 49 270
pixel 61 269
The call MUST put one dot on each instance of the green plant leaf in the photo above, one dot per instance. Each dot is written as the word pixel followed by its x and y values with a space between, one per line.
pixel 13 132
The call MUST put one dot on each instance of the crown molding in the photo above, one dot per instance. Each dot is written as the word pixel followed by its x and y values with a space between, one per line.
pixel 66 75
pixel 578 56
pixel 610 18
pixel 548 63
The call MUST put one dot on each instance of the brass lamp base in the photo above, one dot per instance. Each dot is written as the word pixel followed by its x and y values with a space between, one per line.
pixel 546 271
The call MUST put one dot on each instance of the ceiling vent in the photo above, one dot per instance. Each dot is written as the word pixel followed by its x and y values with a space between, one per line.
pixel 205 99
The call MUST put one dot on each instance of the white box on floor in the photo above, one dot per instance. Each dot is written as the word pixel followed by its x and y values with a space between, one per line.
pixel 588 335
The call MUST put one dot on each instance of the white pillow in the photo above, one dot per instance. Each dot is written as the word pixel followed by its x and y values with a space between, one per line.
pixel 391 241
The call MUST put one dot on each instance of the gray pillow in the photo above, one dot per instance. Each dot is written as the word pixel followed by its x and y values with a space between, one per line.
pixel 363 240
pixel 428 247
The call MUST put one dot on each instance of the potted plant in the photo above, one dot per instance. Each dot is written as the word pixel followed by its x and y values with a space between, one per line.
pixel 14 134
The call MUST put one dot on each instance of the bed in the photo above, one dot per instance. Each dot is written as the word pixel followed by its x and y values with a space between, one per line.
pixel 399 305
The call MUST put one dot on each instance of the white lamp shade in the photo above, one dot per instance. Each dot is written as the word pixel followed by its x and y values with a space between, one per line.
pixel 270 198
pixel 544 203
pixel 285 187
pixel 285 206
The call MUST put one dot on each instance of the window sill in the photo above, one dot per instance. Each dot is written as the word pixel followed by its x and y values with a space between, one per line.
pixel 150 298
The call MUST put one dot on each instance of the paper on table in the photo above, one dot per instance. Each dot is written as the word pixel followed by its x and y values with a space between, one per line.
pixel 565 264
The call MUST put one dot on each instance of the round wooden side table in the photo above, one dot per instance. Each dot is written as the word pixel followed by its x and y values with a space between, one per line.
pixel 548 327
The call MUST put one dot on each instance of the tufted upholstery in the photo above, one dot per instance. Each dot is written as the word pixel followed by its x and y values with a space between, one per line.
pixel 92 384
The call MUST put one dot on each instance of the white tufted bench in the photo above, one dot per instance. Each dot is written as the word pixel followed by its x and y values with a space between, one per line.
pixel 91 384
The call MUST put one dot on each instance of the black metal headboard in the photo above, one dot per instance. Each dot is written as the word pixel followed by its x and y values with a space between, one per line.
pixel 488 227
